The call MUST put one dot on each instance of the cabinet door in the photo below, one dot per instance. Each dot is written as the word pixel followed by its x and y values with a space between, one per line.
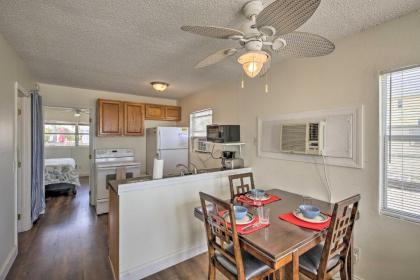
pixel 133 119
pixel 155 112
pixel 172 113
pixel 110 117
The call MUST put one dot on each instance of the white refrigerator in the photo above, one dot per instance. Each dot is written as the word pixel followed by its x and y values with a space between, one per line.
pixel 170 144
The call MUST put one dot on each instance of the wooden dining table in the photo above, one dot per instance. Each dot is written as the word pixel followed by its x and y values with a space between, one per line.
pixel 281 243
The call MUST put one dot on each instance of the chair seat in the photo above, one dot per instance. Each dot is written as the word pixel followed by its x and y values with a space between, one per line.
pixel 252 266
pixel 310 260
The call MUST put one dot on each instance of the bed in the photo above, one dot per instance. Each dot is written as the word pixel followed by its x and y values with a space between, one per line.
pixel 61 175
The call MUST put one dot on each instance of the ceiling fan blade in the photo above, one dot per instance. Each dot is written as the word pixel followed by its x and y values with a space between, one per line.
pixel 216 57
pixel 302 44
pixel 212 31
pixel 287 15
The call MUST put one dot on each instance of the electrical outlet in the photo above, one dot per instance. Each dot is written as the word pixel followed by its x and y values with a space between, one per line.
pixel 356 255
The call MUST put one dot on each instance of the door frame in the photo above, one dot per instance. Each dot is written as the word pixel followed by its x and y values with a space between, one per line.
pixel 92 138
pixel 92 147
pixel 22 153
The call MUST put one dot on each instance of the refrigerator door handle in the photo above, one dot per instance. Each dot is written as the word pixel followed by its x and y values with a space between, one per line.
pixel 159 142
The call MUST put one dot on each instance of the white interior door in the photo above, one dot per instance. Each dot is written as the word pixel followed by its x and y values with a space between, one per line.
pixel 19 163
pixel 23 158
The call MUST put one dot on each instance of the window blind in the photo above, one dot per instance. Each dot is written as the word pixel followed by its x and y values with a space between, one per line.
pixel 199 121
pixel 400 92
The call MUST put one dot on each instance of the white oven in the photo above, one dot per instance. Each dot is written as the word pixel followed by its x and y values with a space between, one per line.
pixel 106 163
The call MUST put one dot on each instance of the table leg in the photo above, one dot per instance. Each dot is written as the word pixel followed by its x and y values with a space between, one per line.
pixel 292 268
pixel 295 263
pixel 279 274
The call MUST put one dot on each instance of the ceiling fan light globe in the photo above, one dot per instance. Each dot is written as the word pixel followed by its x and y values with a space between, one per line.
pixel 252 69
pixel 252 62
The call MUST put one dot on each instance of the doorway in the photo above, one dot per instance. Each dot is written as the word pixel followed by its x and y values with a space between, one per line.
pixel 67 149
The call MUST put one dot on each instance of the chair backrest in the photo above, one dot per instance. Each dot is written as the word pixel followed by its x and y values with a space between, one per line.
pixel 340 232
pixel 219 232
pixel 242 186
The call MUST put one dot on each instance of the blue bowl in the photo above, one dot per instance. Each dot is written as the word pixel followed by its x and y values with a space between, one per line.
pixel 240 212
pixel 257 192
pixel 309 211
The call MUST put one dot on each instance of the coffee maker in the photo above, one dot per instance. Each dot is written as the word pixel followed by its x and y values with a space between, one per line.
pixel 230 161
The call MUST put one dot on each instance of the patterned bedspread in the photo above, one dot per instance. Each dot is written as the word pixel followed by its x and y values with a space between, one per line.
pixel 61 174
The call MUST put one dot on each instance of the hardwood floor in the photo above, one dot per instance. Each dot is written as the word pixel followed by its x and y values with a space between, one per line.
pixel 68 242
pixel 192 269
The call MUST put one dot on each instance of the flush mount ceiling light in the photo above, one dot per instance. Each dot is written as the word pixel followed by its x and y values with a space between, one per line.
pixel 77 113
pixel 159 86
pixel 253 62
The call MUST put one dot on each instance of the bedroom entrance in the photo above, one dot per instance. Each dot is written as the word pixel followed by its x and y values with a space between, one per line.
pixel 67 146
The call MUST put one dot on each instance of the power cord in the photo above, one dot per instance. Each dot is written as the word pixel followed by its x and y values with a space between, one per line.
pixel 211 153
pixel 328 186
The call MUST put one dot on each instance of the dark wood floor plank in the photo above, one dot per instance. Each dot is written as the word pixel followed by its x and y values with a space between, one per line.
pixel 68 242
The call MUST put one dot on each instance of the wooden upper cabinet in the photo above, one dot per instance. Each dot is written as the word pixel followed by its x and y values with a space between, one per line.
pixel 172 113
pixel 155 112
pixel 116 118
pixel 110 117
pixel 133 119
pixel 163 112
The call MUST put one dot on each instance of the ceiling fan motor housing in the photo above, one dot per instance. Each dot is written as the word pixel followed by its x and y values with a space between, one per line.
pixel 252 8
pixel 254 45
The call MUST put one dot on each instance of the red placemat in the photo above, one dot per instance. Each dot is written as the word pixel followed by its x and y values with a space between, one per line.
pixel 289 217
pixel 242 229
pixel 249 201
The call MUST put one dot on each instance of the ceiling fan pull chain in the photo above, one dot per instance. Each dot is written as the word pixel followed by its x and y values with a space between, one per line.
pixel 266 81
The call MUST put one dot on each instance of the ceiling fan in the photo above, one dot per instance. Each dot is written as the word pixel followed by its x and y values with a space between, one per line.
pixel 268 31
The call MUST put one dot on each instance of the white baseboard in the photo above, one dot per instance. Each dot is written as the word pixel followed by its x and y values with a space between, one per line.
pixel 337 277
pixel 152 267
pixel 5 267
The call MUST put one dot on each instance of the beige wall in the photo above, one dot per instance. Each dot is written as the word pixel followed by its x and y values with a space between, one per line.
pixel 11 70
pixel 60 96
pixel 390 248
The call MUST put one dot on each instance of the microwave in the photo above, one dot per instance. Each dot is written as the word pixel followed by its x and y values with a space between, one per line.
pixel 223 133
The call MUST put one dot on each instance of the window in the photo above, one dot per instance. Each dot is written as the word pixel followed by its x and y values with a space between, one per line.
pixel 66 134
pixel 400 98
pixel 199 121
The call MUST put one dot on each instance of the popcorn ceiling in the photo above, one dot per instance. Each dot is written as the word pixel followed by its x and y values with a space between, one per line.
pixel 124 45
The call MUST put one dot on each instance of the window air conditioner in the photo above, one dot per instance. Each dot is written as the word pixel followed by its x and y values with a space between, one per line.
pixel 302 138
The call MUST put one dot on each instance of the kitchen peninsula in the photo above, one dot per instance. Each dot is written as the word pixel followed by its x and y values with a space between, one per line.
pixel 151 226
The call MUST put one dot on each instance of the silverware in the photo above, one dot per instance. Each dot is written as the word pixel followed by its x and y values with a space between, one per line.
pixel 251 226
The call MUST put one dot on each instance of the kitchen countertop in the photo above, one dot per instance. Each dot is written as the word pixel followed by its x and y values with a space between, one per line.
pixel 116 184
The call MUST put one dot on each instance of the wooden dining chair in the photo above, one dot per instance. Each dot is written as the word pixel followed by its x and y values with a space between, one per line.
pixel 224 250
pixel 243 186
pixel 325 260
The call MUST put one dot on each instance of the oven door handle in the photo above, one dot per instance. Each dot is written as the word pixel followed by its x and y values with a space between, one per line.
pixel 106 168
